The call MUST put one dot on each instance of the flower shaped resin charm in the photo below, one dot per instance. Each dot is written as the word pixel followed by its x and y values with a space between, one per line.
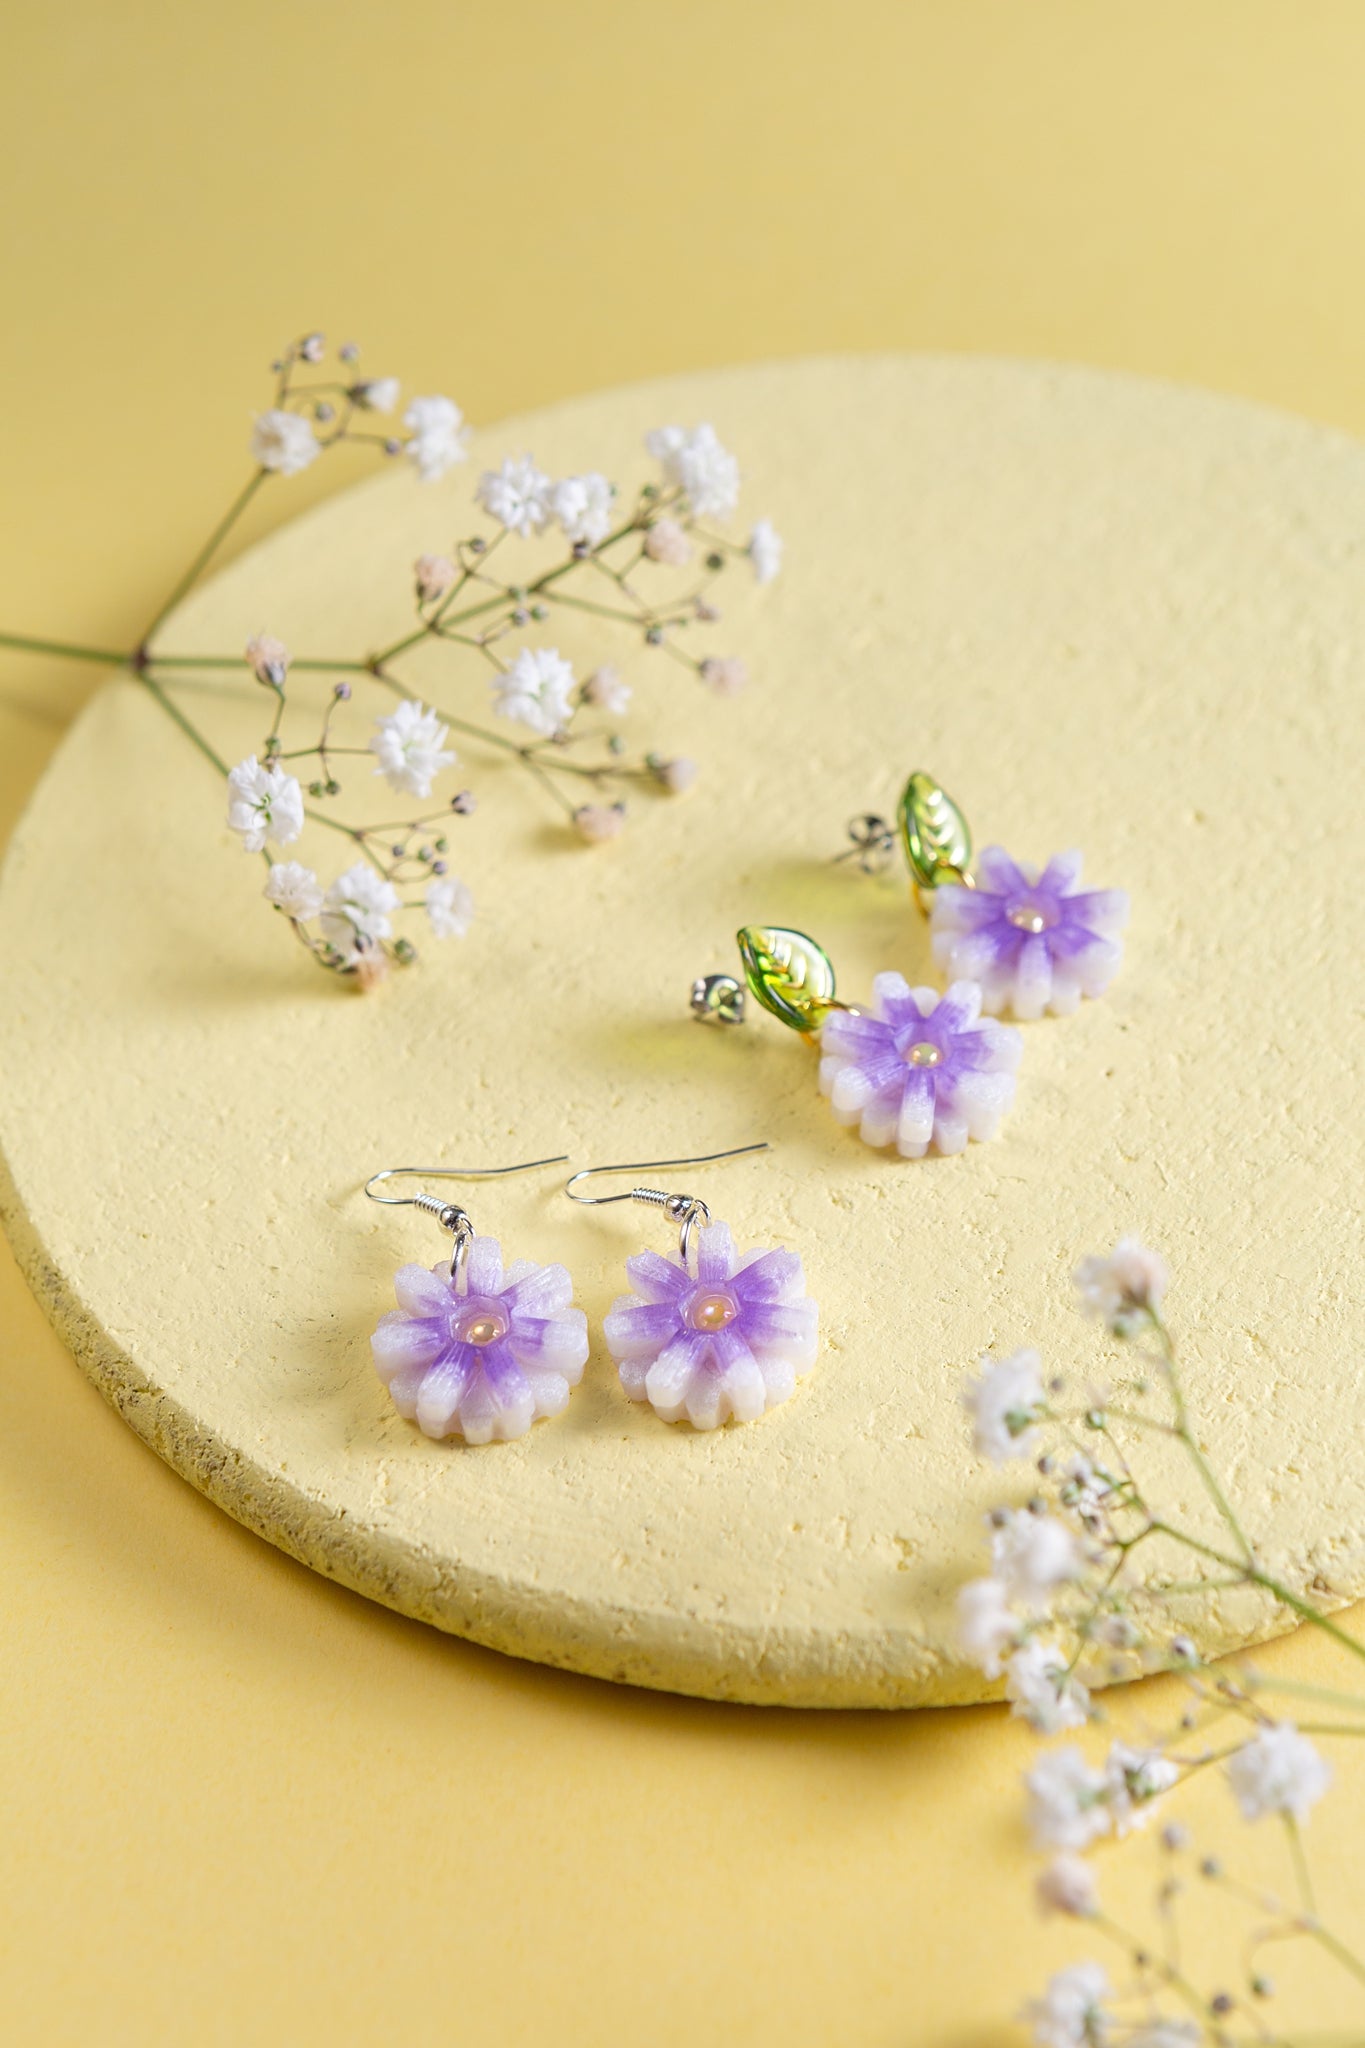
pixel 484 1355
pixel 1035 942
pixel 715 1335
pixel 919 1069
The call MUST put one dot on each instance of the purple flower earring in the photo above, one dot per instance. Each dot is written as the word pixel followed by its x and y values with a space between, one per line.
pixel 1033 939
pixel 476 1350
pixel 713 1334
pixel 918 1070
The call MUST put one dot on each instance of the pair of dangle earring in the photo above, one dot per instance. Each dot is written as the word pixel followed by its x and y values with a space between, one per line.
pixel 477 1351
pixel 917 1069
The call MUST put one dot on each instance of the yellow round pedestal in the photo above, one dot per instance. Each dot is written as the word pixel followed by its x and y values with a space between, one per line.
pixel 1107 614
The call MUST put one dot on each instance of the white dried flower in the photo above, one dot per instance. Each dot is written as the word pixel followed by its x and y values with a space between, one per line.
pixel 1135 1777
pixel 725 674
pixel 677 776
pixel 434 576
pixel 449 907
pixel 376 394
pixel 985 1625
pixel 582 505
pixel 1044 1693
pixel 1070 2013
pixel 284 442
pixel 605 691
pixel 313 347
pixel 538 690
pixel 517 495
pixel 765 551
pixel 294 889
pixel 1033 1554
pixel 1004 1402
pixel 1278 1771
pixel 665 541
pixel 268 659
pixel 707 473
pixel 369 965
pixel 264 803
pixel 355 911
pixel 1067 1885
pixel 438 436
pixel 410 743
pixel 1067 1801
pixel 1123 1287
pixel 1083 1488
pixel 598 822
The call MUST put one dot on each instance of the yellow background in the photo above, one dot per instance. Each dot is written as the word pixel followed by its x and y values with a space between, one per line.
pixel 240 1805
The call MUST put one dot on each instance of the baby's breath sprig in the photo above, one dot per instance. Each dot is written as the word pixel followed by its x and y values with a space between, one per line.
pixel 621 562
pixel 1063 1609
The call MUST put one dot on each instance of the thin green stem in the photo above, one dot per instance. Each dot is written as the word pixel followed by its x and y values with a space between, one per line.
pixel 231 661
pixel 23 643
pixel 1336 1949
pixel 209 550
pixel 190 730
pixel 1302 1875
pixel 1253 1575
pixel 1186 1434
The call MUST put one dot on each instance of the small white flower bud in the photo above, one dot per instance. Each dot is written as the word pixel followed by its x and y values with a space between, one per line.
pixel 666 541
pixel 435 575
pixel 268 659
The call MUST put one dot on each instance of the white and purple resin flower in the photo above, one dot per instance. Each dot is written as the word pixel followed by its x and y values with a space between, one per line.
pixel 486 1355
pixel 724 1334
pixel 919 1069
pixel 1034 941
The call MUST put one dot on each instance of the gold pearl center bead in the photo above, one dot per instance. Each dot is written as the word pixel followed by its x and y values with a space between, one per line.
pixel 484 1328
pixel 712 1312
pixel 1025 917
pixel 924 1054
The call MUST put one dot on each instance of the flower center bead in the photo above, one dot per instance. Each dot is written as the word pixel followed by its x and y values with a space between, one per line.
pixel 712 1311
pixel 925 1054
pixel 1031 917
pixel 480 1326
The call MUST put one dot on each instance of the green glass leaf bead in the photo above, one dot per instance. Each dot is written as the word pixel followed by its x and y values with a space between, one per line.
pixel 934 833
pixel 788 974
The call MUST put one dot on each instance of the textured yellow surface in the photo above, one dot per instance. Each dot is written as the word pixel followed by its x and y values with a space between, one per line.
pixel 248 1804
pixel 1060 589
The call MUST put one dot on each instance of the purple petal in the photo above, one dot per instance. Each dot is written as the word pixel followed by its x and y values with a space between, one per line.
pixel 482 1269
pixel 537 1290
pixel 959 1008
pixel 406 1343
pixel 640 1329
pixel 783 1330
pixel 656 1278
pixel 765 1276
pixel 497 1402
pixel 737 1389
pixel 853 1035
pixel 1033 979
pixel 894 1001
pixel 420 1292
pixel 1104 910
pixel 915 1124
pixel 1061 874
pixel 559 1344
pixel 715 1254
pixel 439 1396
pixel 670 1376
pixel 999 873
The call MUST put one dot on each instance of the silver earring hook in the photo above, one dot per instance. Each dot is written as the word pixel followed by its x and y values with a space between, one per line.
pixel 687 1211
pixel 449 1215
